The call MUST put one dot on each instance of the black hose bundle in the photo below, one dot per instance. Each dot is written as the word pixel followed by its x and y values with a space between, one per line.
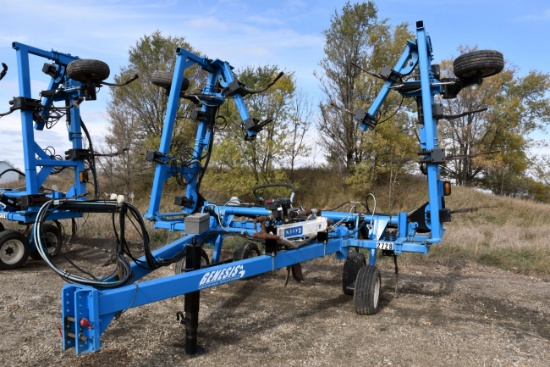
pixel 122 275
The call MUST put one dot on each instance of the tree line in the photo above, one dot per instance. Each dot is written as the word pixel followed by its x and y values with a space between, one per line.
pixel 487 141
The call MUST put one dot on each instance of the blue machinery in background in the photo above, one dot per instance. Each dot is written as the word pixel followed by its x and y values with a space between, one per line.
pixel 290 235
pixel 22 205
pixel 72 81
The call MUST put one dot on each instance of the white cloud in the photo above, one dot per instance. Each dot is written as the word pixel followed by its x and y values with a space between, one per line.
pixel 264 20
pixel 211 23
pixel 538 16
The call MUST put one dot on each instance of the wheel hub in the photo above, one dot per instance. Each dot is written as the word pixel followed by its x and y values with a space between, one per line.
pixel 11 252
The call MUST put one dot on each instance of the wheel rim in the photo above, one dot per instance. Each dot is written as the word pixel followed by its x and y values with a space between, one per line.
pixel 12 251
pixel 51 242
pixel 376 293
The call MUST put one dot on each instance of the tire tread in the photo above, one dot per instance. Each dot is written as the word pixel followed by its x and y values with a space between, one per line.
pixel 481 63
pixel 88 70
pixel 364 290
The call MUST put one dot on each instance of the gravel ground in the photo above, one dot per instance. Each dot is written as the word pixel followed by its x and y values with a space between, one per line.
pixel 459 315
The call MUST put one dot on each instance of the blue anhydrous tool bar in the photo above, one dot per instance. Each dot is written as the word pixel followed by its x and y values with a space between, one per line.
pixel 87 311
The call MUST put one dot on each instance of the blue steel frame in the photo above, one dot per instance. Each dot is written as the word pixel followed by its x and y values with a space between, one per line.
pixel 99 306
pixel 34 155
pixel 38 164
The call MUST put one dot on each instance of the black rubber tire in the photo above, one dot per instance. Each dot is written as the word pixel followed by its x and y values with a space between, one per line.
pixel 482 63
pixel 163 79
pixel 353 263
pixel 180 265
pixel 88 70
pixel 368 287
pixel 14 249
pixel 246 250
pixel 52 239
pixel 2 228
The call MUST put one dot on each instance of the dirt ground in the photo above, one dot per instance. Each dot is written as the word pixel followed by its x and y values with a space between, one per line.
pixel 459 315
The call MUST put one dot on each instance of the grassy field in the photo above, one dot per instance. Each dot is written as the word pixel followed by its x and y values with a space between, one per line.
pixel 512 234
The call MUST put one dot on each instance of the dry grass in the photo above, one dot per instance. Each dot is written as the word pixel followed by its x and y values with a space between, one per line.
pixel 505 232
pixel 512 234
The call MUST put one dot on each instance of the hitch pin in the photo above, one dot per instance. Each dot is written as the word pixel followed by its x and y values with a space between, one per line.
pixel 84 322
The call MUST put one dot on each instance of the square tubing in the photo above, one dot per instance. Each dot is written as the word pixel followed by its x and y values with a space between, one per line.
pixel 430 130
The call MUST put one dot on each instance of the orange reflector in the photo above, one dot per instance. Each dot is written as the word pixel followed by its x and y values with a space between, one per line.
pixel 446 188
pixel 83 177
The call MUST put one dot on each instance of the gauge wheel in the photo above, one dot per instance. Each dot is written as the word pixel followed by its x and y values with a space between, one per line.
pixel 88 70
pixel 51 238
pixel 246 250
pixel 180 265
pixel 163 79
pixel 482 63
pixel 368 285
pixel 14 249
pixel 353 263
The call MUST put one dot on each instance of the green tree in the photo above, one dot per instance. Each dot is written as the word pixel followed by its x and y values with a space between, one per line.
pixel 238 165
pixel 357 40
pixel 136 112
pixel 491 147
pixel 540 173
pixel 347 44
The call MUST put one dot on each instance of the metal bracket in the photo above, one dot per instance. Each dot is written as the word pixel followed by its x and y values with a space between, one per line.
pixel 234 88
pixel 51 70
pixel 197 114
pixel 387 73
pixel 255 125
pixel 366 118
pixel 32 200
pixel 445 215
pixel 25 104
pixel 437 111
pixel 435 156
pixel 183 201
pixel 77 154
pixel 81 324
pixel 155 156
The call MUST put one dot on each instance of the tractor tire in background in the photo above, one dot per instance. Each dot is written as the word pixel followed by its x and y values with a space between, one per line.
pixel 52 239
pixel 14 249
pixel 246 250
pixel 181 265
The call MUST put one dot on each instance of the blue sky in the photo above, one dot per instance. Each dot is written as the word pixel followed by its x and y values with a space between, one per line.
pixel 287 33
